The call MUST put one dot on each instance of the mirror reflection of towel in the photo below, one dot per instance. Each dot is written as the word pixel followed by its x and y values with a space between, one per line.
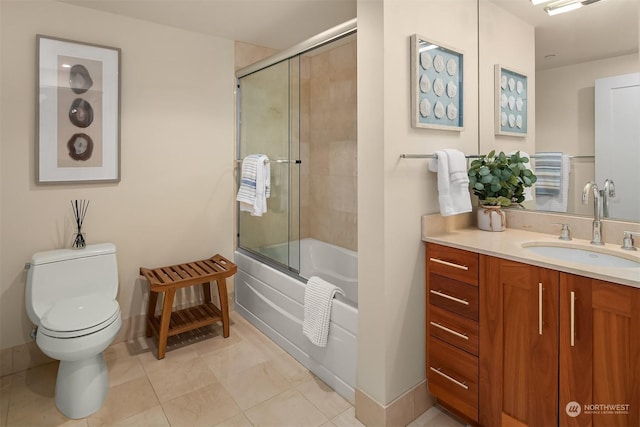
pixel 549 173
pixel 554 201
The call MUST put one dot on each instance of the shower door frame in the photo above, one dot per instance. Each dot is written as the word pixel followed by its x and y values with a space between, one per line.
pixel 333 34
pixel 280 139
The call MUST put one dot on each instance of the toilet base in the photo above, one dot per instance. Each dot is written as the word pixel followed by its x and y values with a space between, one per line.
pixel 81 386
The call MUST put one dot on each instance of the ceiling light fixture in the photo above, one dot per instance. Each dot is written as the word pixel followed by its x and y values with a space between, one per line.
pixel 562 6
pixel 537 2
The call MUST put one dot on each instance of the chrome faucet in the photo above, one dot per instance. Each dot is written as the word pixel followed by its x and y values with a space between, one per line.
pixel 596 231
pixel 609 191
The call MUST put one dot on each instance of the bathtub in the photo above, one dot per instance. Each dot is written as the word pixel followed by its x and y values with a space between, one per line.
pixel 273 300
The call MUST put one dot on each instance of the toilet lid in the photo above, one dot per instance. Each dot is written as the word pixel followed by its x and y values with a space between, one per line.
pixel 79 313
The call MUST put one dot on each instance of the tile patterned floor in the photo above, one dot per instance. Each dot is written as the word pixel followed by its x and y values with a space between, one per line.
pixel 243 380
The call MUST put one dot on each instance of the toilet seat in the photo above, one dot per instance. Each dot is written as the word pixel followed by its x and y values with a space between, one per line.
pixel 79 316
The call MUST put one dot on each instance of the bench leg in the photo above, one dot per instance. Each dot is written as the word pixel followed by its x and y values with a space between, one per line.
pixel 206 290
pixel 163 334
pixel 151 311
pixel 224 305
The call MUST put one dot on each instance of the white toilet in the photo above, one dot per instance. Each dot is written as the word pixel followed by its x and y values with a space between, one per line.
pixel 71 297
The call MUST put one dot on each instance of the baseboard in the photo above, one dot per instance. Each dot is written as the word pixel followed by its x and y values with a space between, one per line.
pixel 400 412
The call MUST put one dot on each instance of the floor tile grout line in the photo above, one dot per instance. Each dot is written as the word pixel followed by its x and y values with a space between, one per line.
pixel 289 370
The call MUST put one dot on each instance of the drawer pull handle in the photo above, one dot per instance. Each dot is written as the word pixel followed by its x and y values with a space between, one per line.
pixel 452 298
pixel 540 320
pixel 451 331
pixel 453 380
pixel 573 319
pixel 450 264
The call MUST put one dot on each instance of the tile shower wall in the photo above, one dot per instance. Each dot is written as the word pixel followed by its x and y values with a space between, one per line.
pixel 329 147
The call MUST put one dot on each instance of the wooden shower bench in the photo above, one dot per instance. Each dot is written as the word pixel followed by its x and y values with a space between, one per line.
pixel 166 280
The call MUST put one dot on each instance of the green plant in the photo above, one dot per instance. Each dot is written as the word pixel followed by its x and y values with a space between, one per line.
pixel 500 180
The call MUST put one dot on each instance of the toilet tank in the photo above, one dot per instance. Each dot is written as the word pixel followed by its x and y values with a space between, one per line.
pixel 65 273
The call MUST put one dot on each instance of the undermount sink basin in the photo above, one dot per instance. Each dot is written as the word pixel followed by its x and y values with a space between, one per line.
pixel 582 255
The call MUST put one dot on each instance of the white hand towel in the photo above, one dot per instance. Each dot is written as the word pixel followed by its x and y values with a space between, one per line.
pixel 318 297
pixel 457 166
pixel 255 184
pixel 454 197
pixel 263 185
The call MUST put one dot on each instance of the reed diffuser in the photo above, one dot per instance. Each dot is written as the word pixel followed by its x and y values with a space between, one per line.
pixel 79 208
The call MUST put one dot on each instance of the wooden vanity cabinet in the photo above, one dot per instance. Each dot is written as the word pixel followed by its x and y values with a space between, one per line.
pixel 532 373
pixel 601 364
pixel 452 340
pixel 518 344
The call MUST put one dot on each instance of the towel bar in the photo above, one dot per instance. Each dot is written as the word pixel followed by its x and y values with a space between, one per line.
pixel 297 161
pixel 472 156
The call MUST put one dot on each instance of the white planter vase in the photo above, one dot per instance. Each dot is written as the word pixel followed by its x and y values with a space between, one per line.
pixel 491 218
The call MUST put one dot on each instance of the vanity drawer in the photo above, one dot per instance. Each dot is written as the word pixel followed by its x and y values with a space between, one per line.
pixel 453 295
pixel 451 262
pixel 453 377
pixel 453 329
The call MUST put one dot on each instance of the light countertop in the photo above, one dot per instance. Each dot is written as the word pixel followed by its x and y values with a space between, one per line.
pixel 508 245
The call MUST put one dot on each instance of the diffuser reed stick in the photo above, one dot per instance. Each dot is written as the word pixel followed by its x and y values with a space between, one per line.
pixel 79 208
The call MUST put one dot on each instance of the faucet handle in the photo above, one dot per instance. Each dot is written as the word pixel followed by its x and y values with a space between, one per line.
pixel 627 240
pixel 565 233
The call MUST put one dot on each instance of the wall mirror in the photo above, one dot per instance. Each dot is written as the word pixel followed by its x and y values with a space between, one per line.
pixel 572 51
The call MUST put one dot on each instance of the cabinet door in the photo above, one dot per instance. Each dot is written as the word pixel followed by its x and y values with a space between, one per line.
pixel 599 353
pixel 518 344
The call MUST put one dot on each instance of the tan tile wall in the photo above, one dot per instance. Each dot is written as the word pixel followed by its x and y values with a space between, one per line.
pixel 305 149
pixel 329 209
pixel 247 54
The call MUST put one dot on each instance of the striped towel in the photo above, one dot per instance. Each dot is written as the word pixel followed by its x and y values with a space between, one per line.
pixel 255 184
pixel 318 297
pixel 548 170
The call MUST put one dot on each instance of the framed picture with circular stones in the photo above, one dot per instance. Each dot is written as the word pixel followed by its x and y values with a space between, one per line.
pixel 511 94
pixel 436 85
pixel 78 114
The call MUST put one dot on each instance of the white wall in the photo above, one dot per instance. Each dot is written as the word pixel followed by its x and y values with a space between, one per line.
pixel 175 200
pixel 566 102
pixel 510 42
pixel 393 194
pixel 566 116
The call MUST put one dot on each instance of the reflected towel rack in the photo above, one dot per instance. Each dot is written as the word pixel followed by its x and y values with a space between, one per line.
pixel 297 161
pixel 580 157
pixel 430 156
pixel 472 156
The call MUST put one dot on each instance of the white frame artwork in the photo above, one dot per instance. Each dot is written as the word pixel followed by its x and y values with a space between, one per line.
pixel 436 85
pixel 511 93
pixel 78 112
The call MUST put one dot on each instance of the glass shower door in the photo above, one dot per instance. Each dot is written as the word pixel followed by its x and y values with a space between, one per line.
pixel 268 120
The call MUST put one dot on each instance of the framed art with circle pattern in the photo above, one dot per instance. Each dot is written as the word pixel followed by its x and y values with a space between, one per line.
pixel 436 85
pixel 511 93
pixel 78 114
